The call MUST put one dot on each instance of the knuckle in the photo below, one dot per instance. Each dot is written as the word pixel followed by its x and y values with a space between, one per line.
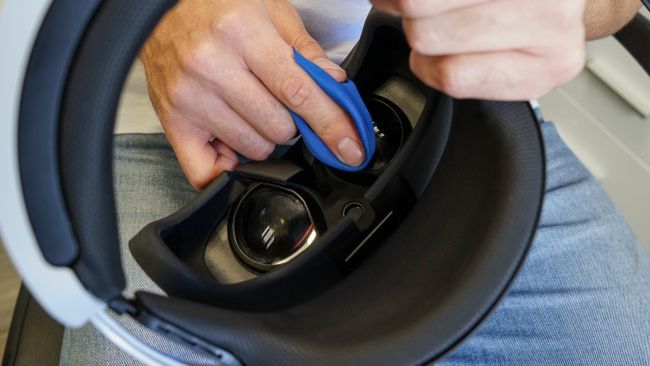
pixel 198 180
pixel 419 43
pixel 262 151
pixel 422 70
pixel 178 93
pixel 282 132
pixel 570 64
pixel 197 59
pixel 305 42
pixel 272 117
pixel 326 124
pixel 408 7
pixel 295 91
pixel 448 77
pixel 560 69
pixel 413 37
pixel 421 39
pixel 537 91
pixel 568 14
pixel 232 20
pixel 255 150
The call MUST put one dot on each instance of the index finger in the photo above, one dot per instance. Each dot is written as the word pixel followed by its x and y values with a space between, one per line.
pixel 274 65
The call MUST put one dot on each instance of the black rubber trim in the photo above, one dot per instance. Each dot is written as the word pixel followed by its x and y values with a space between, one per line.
pixel 42 92
pixel 501 294
pixel 221 356
pixel 92 93
pixel 635 37
pixel 646 3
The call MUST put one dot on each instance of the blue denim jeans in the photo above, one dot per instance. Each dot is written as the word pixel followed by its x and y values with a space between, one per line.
pixel 582 297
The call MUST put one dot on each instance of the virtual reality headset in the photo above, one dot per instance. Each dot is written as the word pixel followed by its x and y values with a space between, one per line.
pixel 396 264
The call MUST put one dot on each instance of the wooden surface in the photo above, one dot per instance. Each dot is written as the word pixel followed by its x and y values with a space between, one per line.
pixel 9 285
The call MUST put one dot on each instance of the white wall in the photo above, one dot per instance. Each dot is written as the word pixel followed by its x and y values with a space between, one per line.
pixel 607 130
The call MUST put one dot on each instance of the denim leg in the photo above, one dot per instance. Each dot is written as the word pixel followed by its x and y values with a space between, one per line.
pixel 583 295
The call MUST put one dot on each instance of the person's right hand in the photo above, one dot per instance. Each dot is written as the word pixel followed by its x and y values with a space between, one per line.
pixel 221 75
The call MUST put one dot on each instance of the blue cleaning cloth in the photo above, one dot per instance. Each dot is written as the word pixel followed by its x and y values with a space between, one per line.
pixel 347 97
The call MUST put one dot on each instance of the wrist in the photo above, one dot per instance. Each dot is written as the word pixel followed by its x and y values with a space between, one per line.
pixel 606 17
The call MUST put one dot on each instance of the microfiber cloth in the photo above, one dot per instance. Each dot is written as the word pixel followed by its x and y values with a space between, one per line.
pixel 347 97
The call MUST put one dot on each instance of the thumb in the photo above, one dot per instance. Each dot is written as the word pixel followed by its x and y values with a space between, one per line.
pixel 287 21
pixel 201 157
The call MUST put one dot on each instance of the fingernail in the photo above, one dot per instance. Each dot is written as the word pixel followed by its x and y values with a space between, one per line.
pixel 350 152
pixel 327 64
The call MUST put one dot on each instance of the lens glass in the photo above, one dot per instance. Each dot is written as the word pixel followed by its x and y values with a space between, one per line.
pixel 272 224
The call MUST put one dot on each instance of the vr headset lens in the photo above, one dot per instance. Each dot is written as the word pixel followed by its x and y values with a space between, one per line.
pixel 270 224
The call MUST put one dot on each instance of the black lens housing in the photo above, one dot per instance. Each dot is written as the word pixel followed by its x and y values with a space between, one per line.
pixel 392 128
pixel 270 225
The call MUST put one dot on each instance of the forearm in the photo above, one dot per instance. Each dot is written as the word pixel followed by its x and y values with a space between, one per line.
pixel 604 17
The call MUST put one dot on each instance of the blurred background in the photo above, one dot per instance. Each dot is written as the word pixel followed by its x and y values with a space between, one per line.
pixel 604 116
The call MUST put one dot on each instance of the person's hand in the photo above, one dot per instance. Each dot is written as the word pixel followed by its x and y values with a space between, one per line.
pixel 221 75
pixel 493 49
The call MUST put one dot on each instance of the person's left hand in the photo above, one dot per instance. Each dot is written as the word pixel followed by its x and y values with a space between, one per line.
pixel 493 49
